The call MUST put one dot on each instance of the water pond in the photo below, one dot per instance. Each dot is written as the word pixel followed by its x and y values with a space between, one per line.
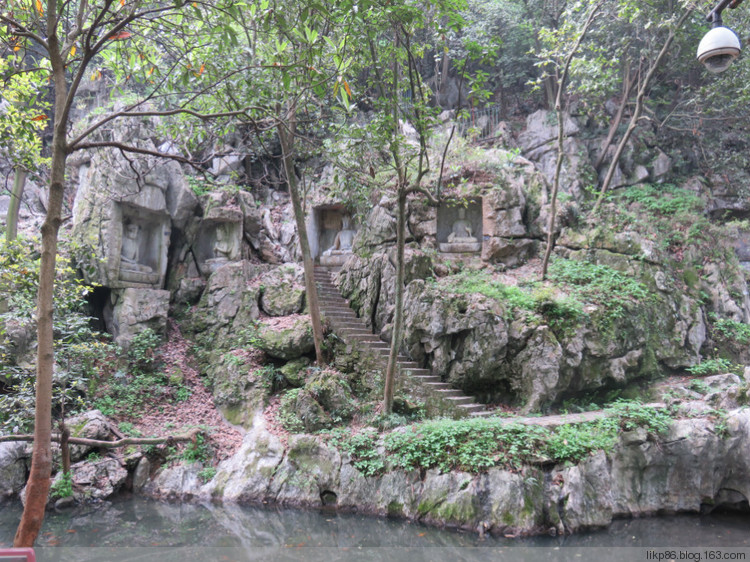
pixel 138 529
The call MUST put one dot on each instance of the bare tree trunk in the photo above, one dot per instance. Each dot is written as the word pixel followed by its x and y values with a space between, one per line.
pixel 189 436
pixel 38 485
pixel 390 372
pixel 627 87
pixel 561 138
pixel 65 446
pixel 398 315
pixel 286 130
pixel 639 102
pixel 11 223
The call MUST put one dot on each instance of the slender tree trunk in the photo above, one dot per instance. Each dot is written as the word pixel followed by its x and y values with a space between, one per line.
pixel 639 102
pixel 398 315
pixel 64 446
pixel 390 372
pixel 555 186
pixel 561 138
pixel 37 488
pixel 286 135
pixel 11 223
pixel 627 87
pixel 38 484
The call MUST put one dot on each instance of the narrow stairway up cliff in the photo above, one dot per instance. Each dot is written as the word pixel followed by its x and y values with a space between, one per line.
pixel 354 332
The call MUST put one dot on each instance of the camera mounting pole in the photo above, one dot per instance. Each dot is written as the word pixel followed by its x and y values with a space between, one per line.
pixel 714 16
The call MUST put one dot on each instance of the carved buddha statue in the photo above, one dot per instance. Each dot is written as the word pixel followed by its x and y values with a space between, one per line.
pixel 342 244
pixel 130 250
pixel 461 238
pixel 224 246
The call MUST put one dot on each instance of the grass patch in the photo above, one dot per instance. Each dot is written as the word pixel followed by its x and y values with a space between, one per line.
pixel 475 445
pixel 716 366
pixel 664 200
pixel 602 285
pixel 559 311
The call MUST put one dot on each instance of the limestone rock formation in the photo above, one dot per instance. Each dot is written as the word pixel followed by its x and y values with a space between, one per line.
pixel 283 290
pixel 686 470
pixel 13 467
pixel 288 340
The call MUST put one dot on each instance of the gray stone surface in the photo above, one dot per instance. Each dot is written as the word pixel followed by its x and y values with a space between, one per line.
pixel 682 471
pixel 283 290
pixel 88 425
pixel 114 192
pixel 467 339
pixel 287 341
pixel 138 309
pixel 13 460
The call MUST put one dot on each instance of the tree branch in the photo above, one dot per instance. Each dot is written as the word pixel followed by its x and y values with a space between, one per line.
pixel 137 150
pixel 189 436
pixel 77 143
pixel 22 31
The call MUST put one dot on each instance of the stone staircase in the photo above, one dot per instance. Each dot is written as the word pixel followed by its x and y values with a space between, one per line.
pixel 439 397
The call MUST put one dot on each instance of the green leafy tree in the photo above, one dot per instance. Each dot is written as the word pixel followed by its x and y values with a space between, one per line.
pixel 148 46
pixel 22 119
pixel 563 58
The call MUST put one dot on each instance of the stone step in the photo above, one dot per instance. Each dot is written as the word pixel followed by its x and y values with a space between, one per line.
pixel 406 363
pixel 326 294
pixel 479 413
pixel 340 311
pixel 360 328
pixel 449 392
pixel 349 323
pixel 341 321
pixel 473 407
pixel 361 344
pixel 426 379
pixel 418 373
pixel 334 301
pixel 346 321
pixel 460 400
pixel 365 338
pixel 438 386
pixel 337 304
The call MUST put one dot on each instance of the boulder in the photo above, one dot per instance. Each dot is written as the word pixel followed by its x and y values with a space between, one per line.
pixel 286 338
pixel 295 371
pixel 237 388
pixel 175 483
pixel 283 290
pixel 92 481
pixel 89 425
pixel 541 131
pixel 138 309
pixel 537 369
pixel 309 411
pixel 13 459
pixel 230 301
pixel 332 392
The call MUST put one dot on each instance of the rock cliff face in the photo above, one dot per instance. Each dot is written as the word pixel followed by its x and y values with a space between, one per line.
pixel 694 466
pixel 497 337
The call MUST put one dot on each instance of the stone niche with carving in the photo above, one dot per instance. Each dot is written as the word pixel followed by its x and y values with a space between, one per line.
pixel 139 241
pixel 219 239
pixel 331 234
pixel 459 227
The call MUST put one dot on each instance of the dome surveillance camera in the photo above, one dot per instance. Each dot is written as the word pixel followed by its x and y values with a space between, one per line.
pixel 718 48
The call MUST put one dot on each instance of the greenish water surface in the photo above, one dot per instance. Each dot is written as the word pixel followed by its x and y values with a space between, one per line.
pixel 138 529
